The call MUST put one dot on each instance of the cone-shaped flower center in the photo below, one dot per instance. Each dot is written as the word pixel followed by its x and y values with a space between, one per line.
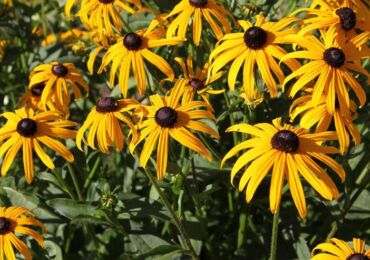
pixel 27 127
pixel 36 90
pixel 106 104
pixel 334 57
pixel 255 37
pixel 198 3
pixel 132 41
pixel 347 18
pixel 59 70
pixel 196 84
pixel 285 141
pixel 4 225
pixel 106 1
pixel 166 117
pixel 357 257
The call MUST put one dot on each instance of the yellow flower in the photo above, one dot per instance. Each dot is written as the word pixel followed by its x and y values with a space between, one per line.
pixel 165 117
pixel 319 115
pixel 346 17
pixel 105 15
pixel 258 45
pixel 27 130
pixel 288 151
pixel 331 64
pixel 212 12
pixel 17 220
pixel 8 3
pixel 130 51
pixel 197 81
pixel 67 37
pixel 60 77
pixel 103 123
pixel 32 99
pixel 336 249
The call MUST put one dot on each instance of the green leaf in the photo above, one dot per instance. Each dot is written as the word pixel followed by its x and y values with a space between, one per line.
pixel 71 209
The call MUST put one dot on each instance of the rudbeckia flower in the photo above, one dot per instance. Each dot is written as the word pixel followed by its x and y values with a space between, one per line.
pixel 285 151
pixel 17 220
pixel 27 130
pixel 58 77
pixel 104 15
pixel 336 249
pixel 258 45
pixel 32 99
pixel 330 64
pixel 212 12
pixel 130 51
pixel 103 123
pixel 167 117
pixel 346 16
pixel 319 115
pixel 197 81
pixel 2 48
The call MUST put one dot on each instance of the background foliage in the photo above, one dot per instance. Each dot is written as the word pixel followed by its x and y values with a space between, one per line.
pixel 118 214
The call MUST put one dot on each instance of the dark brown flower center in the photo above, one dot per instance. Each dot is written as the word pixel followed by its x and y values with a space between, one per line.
pixel 27 127
pixel 59 70
pixel 196 84
pixel 106 1
pixel 132 41
pixel 285 141
pixel 334 57
pixel 347 18
pixel 166 117
pixel 255 37
pixel 4 225
pixel 357 257
pixel 198 3
pixel 106 104
pixel 36 90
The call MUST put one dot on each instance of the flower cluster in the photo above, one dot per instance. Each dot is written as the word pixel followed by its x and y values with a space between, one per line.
pixel 316 58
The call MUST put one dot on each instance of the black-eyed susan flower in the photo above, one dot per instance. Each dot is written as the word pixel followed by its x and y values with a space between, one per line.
pixel 197 81
pixel 2 48
pixel 104 126
pixel 32 99
pixel 129 53
pixel 345 16
pixel 27 130
pixel 213 13
pixel 258 45
pixel 330 64
pixel 105 15
pixel 60 78
pixel 66 37
pixel 17 220
pixel 286 151
pixel 336 249
pixel 167 117
pixel 319 115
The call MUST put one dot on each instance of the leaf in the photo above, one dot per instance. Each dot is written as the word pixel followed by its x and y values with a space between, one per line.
pixel 160 250
pixel 303 251
pixel 71 209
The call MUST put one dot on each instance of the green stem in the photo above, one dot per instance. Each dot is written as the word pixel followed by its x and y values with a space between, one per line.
pixel 176 219
pixel 92 173
pixel 75 182
pixel 274 236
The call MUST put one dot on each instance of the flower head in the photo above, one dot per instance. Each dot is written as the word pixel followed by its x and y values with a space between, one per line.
pixel 130 52
pixel 257 45
pixel 336 249
pixel 214 14
pixel 27 130
pixel 60 78
pixel 197 81
pixel 32 99
pixel 287 151
pixel 165 117
pixel 103 123
pixel 17 220
pixel 331 63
